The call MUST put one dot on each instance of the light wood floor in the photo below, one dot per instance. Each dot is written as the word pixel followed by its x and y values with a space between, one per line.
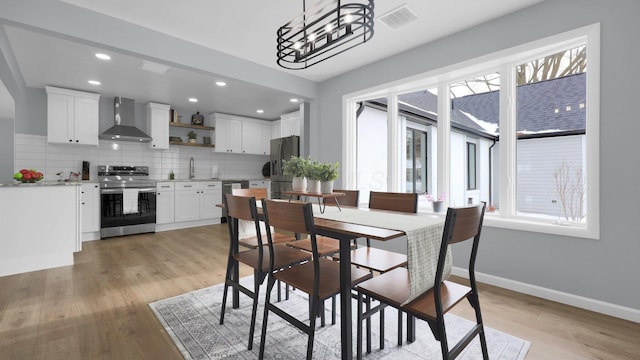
pixel 97 309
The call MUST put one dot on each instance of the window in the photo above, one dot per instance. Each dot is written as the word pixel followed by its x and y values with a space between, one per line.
pixel 416 161
pixel 518 131
pixel 471 166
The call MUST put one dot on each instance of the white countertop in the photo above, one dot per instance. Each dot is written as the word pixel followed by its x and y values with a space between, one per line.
pixel 39 184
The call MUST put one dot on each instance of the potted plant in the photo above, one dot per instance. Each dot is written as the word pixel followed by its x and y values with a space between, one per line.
pixel 438 203
pixel 192 136
pixel 296 167
pixel 314 175
pixel 328 173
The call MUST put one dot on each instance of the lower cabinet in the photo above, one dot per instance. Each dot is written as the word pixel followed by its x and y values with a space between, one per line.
pixel 188 203
pixel 90 211
pixel 165 203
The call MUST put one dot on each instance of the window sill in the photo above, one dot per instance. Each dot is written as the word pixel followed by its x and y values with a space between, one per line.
pixel 573 230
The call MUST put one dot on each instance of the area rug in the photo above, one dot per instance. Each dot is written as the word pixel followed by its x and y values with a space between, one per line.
pixel 192 321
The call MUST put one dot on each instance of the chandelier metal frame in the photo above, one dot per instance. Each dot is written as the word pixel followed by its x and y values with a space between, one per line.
pixel 325 30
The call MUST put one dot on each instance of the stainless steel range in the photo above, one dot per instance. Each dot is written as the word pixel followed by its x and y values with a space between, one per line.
pixel 127 200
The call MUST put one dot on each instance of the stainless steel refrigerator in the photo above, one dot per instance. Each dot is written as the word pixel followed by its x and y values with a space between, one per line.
pixel 282 149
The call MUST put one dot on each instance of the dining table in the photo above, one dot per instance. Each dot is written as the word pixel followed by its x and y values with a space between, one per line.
pixel 353 223
pixel 422 232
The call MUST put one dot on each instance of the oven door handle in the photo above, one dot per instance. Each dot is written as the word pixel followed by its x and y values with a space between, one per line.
pixel 119 191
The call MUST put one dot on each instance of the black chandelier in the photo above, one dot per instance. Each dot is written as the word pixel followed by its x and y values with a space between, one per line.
pixel 325 30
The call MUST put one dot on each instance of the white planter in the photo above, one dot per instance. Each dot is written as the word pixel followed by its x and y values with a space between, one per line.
pixel 299 183
pixel 326 187
pixel 438 206
pixel 192 141
pixel 313 186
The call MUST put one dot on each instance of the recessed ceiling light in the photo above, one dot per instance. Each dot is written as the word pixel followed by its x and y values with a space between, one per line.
pixel 260 111
pixel 193 100
pixel 103 56
pixel 294 100
pixel 221 83
pixel 94 82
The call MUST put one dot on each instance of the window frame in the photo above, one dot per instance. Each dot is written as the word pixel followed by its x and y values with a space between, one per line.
pixel 503 61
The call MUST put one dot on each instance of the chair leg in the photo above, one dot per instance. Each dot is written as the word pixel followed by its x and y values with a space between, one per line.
pixel 400 328
pixel 257 279
pixel 321 309
pixel 368 325
pixel 263 336
pixel 443 338
pixel 226 288
pixel 359 329
pixel 315 305
pixel 381 328
pixel 475 303
pixel 333 310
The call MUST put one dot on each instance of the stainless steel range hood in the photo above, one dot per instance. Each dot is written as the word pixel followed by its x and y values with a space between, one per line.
pixel 124 128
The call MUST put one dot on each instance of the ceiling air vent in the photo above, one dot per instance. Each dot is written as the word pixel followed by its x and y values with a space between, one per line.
pixel 398 17
pixel 154 67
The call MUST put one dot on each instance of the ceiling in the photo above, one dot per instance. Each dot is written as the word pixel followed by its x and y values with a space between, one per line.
pixel 248 30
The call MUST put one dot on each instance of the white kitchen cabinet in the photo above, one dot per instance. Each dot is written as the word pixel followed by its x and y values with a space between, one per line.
pixel 266 139
pixel 228 134
pixel 276 129
pixel 90 209
pixel 210 196
pixel 158 125
pixel 290 124
pixel 186 201
pixel 165 202
pixel 237 134
pixel 72 116
pixel 195 200
pixel 254 138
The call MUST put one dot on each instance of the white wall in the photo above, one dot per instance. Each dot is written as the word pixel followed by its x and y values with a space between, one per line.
pixel 601 271
pixel 33 151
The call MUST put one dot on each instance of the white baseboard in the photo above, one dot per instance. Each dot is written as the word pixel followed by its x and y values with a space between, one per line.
pixel 582 302
pixel 35 263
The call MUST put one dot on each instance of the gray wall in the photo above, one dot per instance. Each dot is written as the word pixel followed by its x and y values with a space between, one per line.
pixel 6 149
pixel 605 269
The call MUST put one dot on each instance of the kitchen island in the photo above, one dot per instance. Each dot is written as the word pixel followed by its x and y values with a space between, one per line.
pixel 41 226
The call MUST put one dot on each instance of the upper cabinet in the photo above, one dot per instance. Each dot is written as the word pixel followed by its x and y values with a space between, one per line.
pixel 72 116
pixel 290 124
pixel 236 134
pixel 158 125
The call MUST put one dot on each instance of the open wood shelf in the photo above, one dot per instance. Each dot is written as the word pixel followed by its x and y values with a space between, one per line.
pixel 190 144
pixel 199 127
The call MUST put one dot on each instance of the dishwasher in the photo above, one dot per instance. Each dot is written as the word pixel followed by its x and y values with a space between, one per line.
pixel 227 186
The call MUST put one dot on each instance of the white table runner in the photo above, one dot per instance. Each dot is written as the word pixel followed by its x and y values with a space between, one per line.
pixel 424 235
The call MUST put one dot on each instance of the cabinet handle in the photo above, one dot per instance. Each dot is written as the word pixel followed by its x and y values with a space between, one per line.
pixel 70 140
pixel 77 140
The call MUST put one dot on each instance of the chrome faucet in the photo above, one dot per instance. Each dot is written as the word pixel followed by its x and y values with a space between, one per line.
pixel 192 168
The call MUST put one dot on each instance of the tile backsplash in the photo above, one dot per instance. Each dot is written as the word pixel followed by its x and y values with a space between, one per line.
pixel 33 151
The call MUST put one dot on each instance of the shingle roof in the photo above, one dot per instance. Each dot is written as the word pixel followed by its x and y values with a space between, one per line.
pixel 545 106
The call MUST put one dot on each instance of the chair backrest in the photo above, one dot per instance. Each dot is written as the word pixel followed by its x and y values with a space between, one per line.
pixel 350 198
pixel 242 209
pixel 258 193
pixel 239 207
pixel 403 202
pixel 461 224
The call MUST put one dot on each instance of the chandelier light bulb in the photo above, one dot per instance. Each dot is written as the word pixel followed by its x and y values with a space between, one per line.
pixel 348 18
pixel 297 45
pixel 312 37
pixel 328 28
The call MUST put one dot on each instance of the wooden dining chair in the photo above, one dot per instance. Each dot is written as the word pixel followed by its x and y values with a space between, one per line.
pixel 246 230
pixel 326 245
pixel 261 259
pixel 350 198
pixel 319 278
pixel 380 260
pixel 393 288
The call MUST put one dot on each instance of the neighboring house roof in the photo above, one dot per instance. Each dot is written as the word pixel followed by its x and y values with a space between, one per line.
pixel 543 107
